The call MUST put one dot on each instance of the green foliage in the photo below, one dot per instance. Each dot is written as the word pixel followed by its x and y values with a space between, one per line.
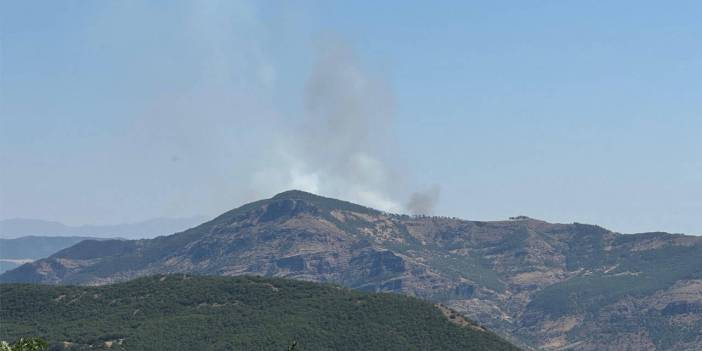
pixel 25 344
pixel 220 313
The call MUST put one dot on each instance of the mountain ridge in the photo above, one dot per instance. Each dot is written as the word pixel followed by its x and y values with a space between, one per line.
pixel 30 248
pixel 544 285
pixel 14 228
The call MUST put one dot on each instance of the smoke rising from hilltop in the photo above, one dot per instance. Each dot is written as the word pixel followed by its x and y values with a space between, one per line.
pixel 423 202
pixel 337 150
pixel 212 109
pixel 343 144
pixel 345 107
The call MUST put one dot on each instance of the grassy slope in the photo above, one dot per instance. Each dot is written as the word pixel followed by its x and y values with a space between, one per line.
pixel 220 313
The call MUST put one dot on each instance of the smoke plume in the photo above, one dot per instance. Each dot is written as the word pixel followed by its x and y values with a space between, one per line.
pixel 423 202
pixel 337 150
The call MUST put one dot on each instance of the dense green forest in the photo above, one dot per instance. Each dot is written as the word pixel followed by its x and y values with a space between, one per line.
pixel 180 312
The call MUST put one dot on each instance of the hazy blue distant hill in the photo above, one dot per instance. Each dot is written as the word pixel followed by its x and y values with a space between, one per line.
pixel 188 313
pixel 19 227
pixel 9 264
pixel 35 247
pixel 15 252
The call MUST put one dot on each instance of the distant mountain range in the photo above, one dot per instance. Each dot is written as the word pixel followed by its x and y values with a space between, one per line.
pixel 19 227
pixel 542 285
pixel 185 313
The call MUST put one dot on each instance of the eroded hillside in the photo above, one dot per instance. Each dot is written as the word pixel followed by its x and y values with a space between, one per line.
pixel 551 286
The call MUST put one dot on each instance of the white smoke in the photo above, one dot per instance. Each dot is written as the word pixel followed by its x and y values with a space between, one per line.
pixel 336 149
pixel 201 105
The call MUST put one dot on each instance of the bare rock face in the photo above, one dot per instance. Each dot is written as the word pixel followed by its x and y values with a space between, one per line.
pixel 542 285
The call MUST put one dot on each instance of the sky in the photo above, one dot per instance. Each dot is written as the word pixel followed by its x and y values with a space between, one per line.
pixel 567 111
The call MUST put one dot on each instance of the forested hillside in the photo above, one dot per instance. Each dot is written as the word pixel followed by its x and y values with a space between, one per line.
pixel 181 312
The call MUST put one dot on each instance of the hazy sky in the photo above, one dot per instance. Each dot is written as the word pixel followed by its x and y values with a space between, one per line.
pixel 117 111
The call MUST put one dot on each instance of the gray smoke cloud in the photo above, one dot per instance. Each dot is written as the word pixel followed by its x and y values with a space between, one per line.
pixel 423 202
pixel 345 108
pixel 338 148
pixel 204 118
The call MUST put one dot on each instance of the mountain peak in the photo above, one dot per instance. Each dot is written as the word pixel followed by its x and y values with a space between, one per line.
pixel 297 194
pixel 327 203
pixel 537 274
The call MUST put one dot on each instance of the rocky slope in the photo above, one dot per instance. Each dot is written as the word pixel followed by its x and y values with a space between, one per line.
pixel 547 286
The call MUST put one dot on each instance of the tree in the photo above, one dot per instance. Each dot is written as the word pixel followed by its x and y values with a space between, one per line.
pixel 25 344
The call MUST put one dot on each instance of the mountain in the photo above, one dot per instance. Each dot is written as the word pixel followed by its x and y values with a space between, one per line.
pixel 19 227
pixel 543 285
pixel 35 247
pixel 180 312
pixel 15 252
